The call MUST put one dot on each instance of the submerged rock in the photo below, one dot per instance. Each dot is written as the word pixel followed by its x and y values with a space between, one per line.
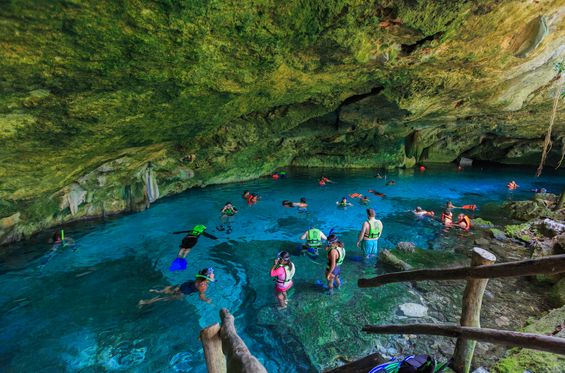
pixel 551 228
pixel 388 258
pixel 406 247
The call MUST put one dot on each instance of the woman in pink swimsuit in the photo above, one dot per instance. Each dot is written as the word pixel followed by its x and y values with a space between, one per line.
pixel 283 271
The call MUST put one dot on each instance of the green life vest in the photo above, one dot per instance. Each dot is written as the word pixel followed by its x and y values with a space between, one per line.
pixel 375 229
pixel 314 238
pixel 288 275
pixel 342 204
pixel 340 257
pixel 229 212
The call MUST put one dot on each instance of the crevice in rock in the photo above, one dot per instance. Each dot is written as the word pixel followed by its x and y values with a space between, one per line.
pixel 355 98
pixel 408 49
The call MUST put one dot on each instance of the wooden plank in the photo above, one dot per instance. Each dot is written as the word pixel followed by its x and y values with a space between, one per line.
pixel 471 311
pixel 548 265
pixel 212 344
pixel 531 341
pixel 238 357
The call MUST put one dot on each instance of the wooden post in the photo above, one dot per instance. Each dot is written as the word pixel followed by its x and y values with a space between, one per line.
pixel 471 312
pixel 212 344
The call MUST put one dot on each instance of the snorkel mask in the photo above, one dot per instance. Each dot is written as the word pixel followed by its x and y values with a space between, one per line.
pixel 206 273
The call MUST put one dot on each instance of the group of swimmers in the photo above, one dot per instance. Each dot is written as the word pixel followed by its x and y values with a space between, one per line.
pixel 283 269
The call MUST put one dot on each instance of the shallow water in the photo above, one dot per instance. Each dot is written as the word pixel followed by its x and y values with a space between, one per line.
pixel 75 309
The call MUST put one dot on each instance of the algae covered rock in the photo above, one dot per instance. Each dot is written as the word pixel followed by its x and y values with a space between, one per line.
pixel 388 258
pixel 558 293
pixel 519 231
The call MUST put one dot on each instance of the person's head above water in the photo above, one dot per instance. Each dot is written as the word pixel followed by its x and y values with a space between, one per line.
pixel 418 209
pixel 302 200
pixel 332 238
pixel 371 213
pixel 206 273
pixel 284 256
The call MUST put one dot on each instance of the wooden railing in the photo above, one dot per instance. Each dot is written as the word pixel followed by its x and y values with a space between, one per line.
pixel 225 351
pixel 482 268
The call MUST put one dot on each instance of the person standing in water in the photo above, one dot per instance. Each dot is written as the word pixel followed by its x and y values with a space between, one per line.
pixel 336 255
pixel 313 237
pixel 283 270
pixel 370 233
pixel 200 286
pixel 228 211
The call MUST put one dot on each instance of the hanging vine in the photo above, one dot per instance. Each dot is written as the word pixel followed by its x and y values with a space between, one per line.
pixel 560 68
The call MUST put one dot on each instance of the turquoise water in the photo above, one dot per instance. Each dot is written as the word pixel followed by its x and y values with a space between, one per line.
pixel 76 309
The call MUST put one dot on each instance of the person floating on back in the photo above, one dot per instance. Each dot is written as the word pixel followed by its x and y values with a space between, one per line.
pixel 370 233
pixel 283 270
pixel 313 237
pixel 421 212
pixel 379 194
pixel 336 255
pixel 302 205
pixel 200 286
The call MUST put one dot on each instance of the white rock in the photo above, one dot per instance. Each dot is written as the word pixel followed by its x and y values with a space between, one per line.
pixel 413 310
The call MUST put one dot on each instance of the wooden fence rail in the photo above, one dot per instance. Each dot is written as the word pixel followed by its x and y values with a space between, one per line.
pixel 532 341
pixel 549 265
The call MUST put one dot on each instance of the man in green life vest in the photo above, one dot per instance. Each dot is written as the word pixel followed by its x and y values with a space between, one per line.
pixel 370 233
pixel 336 255
pixel 313 237
pixel 227 213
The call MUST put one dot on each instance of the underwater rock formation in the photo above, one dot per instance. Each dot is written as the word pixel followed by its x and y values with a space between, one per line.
pixel 220 92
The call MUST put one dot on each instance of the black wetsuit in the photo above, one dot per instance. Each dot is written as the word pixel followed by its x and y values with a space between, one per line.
pixel 189 241
pixel 188 287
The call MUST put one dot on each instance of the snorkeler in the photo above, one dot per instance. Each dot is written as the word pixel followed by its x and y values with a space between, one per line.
pixel 370 233
pixel 283 269
pixel 301 205
pixel 464 222
pixel 343 202
pixel 313 237
pixel 200 285
pixel 376 193
pixel 390 182
pixel 421 212
pixel 191 239
pixel 252 199
pixel 364 200
pixel 336 255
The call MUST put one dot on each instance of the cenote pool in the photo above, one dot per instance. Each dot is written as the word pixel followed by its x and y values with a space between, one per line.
pixel 77 310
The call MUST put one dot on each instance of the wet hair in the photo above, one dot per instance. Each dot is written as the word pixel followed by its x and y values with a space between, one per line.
pixel 284 255
pixel 303 200
pixel 205 272
pixel 228 203
pixel 332 238
pixel 418 209
pixel 371 213
pixel 245 191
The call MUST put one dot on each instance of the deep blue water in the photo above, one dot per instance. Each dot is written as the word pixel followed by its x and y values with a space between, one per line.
pixel 75 310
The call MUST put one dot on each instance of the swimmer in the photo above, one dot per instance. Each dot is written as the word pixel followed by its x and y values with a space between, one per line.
pixel 355 195
pixel 378 176
pixel 364 200
pixel 313 237
pixel 276 176
pixel 370 233
pixel 200 285
pixel 421 212
pixel 324 180
pixel 512 185
pixel 464 222
pixel 343 203
pixel 227 212
pixel 390 182
pixel 539 190
pixel 252 198
pixel 301 205
pixel 191 239
pixel 246 195
pixel 283 270
pixel 376 193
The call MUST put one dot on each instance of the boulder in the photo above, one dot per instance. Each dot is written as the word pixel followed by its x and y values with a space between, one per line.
pixel 497 234
pixel 551 228
pixel 413 310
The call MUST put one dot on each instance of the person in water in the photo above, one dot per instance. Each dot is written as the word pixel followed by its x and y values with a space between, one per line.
pixel 464 222
pixel 364 200
pixel 227 212
pixel 512 185
pixel 252 199
pixel 301 205
pixel 370 233
pixel 421 212
pixel 191 239
pixel 343 202
pixel 336 255
pixel 376 193
pixel 324 180
pixel 447 218
pixel 283 270
pixel 177 292
pixel 313 237
pixel 539 190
